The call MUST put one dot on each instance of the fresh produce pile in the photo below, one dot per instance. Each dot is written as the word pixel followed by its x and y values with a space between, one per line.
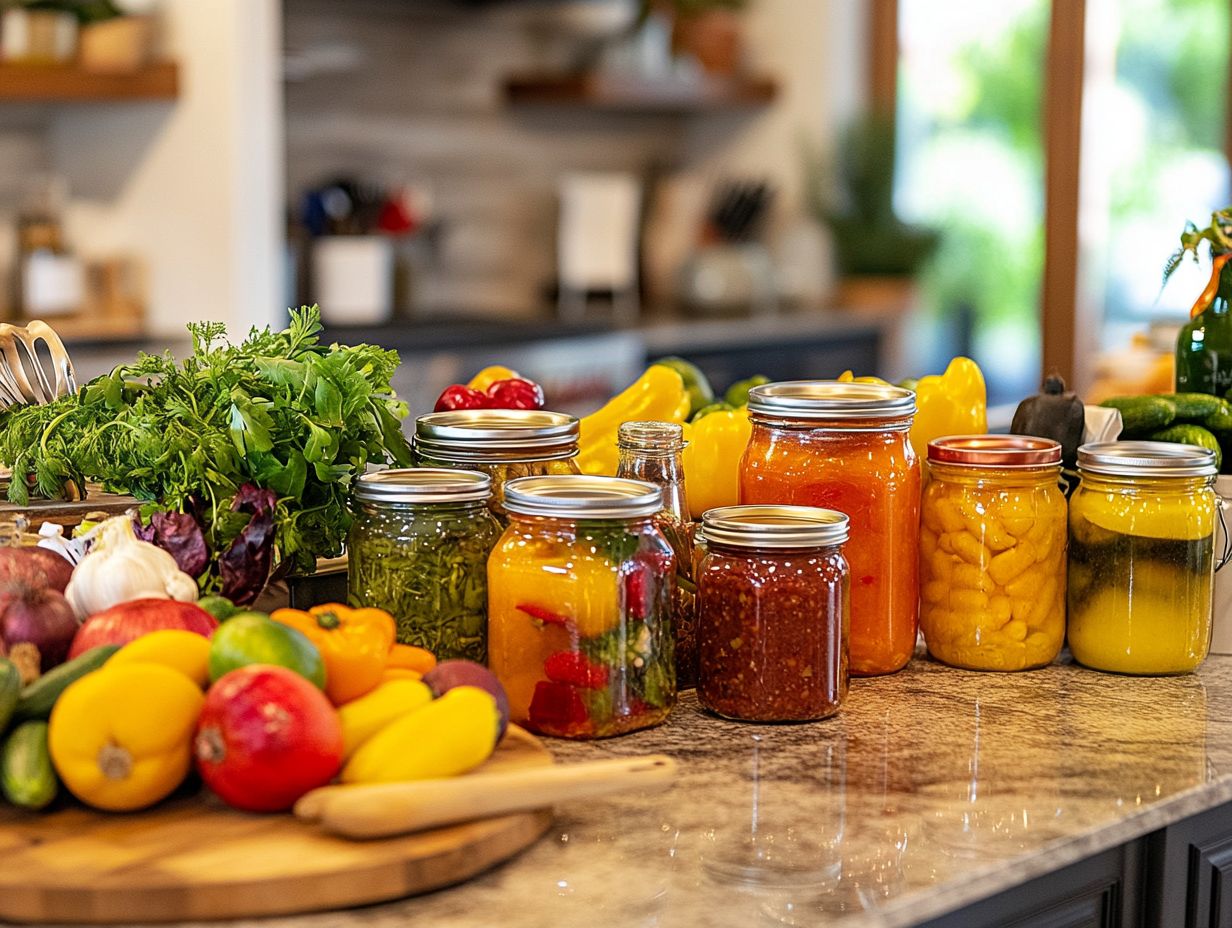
pixel 492 388
pixel 119 709
pixel 245 453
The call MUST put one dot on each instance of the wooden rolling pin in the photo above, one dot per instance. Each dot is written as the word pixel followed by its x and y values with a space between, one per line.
pixel 381 810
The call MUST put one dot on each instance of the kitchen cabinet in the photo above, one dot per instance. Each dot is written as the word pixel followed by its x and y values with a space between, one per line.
pixel 1189 872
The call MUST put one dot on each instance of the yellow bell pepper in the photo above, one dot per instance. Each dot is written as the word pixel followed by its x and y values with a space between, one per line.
pixel 489 375
pixel 716 443
pixel 952 403
pixel 354 643
pixel 659 394
pixel 181 650
pixel 121 738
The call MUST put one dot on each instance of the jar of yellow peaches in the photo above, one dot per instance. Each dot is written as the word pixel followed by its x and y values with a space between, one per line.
pixel 992 552
pixel 1142 557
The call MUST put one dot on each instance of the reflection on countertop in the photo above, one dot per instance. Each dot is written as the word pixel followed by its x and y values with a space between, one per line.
pixel 932 789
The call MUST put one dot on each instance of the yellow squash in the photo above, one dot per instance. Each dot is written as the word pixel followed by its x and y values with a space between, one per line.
pixel 121 738
pixel 449 736
pixel 181 650
pixel 659 395
pixel 363 717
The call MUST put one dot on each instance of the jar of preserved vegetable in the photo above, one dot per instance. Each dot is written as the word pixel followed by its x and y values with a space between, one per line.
pixel 773 613
pixel 418 548
pixel 844 446
pixel 992 552
pixel 579 609
pixel 503 443
pixel 1142 556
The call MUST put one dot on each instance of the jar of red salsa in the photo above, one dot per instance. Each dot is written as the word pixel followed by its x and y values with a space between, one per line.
pixel 772 613
pixel 844 446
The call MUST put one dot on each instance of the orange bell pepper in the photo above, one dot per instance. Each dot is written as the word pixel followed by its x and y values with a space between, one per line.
pixel 409 657
pixel 354 644
pixel 400 673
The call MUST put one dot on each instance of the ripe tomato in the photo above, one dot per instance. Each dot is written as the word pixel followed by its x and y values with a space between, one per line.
pixel 266 737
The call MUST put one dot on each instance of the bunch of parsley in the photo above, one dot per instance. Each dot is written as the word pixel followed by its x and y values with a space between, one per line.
pixel 279 410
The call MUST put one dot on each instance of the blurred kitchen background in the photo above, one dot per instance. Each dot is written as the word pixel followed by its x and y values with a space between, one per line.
pixel 571 187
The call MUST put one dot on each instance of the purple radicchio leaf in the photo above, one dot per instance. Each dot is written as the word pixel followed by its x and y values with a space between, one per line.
pixel 245 566
pixel 180 535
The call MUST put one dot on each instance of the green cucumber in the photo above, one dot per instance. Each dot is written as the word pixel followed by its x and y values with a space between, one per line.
pixel 1193 407
pixel 27 777
pixel 1141 415
pixel 1220 420
pixel 10 691
pixel 1191 435
pixel 38 698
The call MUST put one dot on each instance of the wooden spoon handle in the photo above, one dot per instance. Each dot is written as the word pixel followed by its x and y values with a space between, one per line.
pixel 384 809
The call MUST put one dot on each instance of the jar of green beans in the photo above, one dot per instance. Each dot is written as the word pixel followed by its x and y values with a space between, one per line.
pixel 418 548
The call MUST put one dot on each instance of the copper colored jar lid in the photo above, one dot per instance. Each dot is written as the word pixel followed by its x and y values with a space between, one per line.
pixel 995 451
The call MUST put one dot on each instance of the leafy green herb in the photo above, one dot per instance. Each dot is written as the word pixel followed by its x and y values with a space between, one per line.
pixel 278 410
pixel 1218 234
pixel 608 539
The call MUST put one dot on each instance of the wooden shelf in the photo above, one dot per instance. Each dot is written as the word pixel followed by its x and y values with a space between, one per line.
pixel 632 94
pixel 60 84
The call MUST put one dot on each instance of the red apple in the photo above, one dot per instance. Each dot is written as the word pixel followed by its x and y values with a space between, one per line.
pixel 265 738
pixel 123 622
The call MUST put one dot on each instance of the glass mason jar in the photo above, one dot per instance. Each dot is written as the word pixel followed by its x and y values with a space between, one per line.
pixel 579 607
pixel 844 446
pixel 992 552
pixel 773 613
pixel 651 451
pixel 503 443
pixel 1142 556
pixel 418 548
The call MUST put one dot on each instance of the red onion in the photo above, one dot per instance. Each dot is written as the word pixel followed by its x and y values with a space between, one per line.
pixel 35 567
pixel 41 617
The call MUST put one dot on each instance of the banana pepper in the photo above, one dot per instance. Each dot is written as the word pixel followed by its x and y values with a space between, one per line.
pixel 354 644
pixel 659 394
pixel 716 443
pixel 952 403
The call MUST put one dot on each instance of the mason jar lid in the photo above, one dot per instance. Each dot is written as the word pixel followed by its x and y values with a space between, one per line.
pixel 831 399
pixel 578 496
pixel 493 435
pixel 774 526
pixel 1146 459
pixel 423 485
pixel 1000 451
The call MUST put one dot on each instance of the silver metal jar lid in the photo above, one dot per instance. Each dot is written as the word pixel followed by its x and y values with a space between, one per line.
pixel 423 485
pixel 775 526
pixel 497 435
pixel 1146 459
pixel 578 496
pixel 831 399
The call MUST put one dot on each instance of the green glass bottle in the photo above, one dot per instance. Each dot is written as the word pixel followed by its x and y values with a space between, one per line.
pixel 1204 345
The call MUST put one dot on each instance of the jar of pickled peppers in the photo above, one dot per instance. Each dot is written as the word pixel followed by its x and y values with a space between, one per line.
pixel 1142 556
pixel 580 591
pixel 992 552
pixel 844 446
pixel 418 548
pixel 503 443
pixel 772 613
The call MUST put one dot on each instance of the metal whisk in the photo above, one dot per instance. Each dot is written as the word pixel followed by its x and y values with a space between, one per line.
pixel 23 379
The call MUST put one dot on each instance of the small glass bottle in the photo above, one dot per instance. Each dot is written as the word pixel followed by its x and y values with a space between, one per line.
pixel 650 451
pixel 418 548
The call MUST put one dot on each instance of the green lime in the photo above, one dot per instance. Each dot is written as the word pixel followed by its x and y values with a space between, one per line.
pixel 252 638
pixel 219 607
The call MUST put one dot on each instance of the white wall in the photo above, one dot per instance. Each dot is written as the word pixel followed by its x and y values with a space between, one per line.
pixel 193 187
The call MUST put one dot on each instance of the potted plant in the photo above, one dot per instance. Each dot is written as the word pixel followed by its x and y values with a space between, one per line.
pixel 707 30
pixel 852 193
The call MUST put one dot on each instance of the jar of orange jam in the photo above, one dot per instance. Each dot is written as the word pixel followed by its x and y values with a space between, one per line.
pixel 844 446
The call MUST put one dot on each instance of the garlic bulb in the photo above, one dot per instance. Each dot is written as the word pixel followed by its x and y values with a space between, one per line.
pixel 120 567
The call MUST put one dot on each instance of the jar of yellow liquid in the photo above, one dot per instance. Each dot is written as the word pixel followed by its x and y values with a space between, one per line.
pixel 1142 557
pixel 992 552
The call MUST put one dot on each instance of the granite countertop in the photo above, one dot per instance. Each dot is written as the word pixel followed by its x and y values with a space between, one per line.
pixel 932 789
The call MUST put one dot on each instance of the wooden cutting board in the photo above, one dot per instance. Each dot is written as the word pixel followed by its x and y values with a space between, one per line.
pixel 193 858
